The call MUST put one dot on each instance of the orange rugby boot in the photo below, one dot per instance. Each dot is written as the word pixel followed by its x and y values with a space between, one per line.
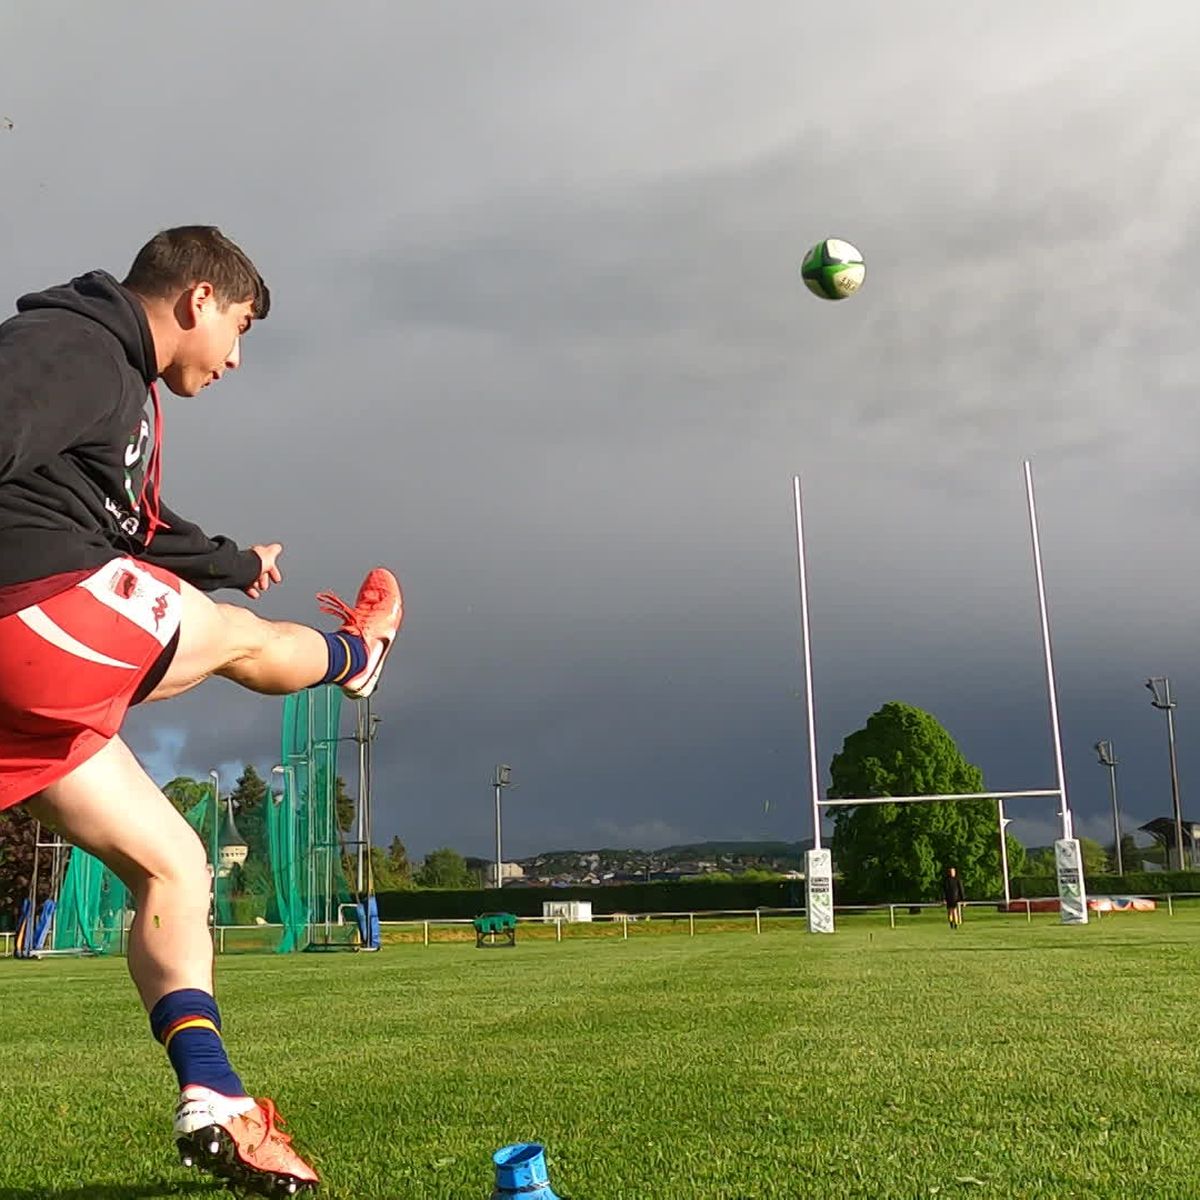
pixel 376 617
pixel 238 1138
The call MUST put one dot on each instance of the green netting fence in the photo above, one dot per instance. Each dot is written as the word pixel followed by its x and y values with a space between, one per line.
pixel 93 907
pixel 301 888
pixel 302 828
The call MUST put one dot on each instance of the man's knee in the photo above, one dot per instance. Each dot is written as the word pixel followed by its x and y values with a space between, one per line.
pixel 213 638
pixel 180 869
pixel 238 635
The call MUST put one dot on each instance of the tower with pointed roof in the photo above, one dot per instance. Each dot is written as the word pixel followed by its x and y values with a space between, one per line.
pixel 232 847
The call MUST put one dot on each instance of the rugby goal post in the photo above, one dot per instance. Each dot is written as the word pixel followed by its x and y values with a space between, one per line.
pixel 818 873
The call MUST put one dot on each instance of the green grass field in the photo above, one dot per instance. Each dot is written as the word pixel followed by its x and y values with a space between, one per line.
pixel 1005 1060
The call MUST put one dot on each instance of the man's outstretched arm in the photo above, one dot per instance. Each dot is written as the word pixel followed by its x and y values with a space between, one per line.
pixel 211 563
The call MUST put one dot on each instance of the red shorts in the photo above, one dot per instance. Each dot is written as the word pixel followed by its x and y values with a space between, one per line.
pixel 71 666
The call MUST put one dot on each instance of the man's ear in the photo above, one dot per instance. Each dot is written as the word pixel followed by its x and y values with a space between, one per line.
pixel 192 301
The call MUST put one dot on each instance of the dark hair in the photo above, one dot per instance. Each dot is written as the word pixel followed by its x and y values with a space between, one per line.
pixel 189 254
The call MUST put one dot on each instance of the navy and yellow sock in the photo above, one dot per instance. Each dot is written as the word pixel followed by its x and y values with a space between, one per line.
pixel 188 1024
pixel 347 656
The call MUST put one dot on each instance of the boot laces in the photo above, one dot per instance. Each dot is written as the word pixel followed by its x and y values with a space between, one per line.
pixel 335 606
pixel 272 1131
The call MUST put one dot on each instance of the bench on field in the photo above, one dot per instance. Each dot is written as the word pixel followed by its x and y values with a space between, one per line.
pixel 495 929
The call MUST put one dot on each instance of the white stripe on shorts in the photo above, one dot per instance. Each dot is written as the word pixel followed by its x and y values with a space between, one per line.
pixel 48 631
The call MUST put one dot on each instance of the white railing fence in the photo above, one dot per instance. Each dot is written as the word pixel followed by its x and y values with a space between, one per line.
pixel 744 917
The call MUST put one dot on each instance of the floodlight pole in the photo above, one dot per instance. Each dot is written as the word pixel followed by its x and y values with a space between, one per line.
pixel 1108 759
pixel 501 780
pixel 366 727
pixel 214 850
pixel 373 723
pixel 1160 689
pixel 290 799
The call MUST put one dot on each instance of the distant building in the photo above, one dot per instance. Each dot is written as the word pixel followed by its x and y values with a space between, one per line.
pixel 508 871
pixel 232 848
pixel 1162 830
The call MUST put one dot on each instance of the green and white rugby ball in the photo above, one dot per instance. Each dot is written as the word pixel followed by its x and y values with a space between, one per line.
pixel 833 269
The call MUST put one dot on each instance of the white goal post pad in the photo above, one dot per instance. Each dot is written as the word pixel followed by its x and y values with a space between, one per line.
pixel 818 890
pixel 1072 894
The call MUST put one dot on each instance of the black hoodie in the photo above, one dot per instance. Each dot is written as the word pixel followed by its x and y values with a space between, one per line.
pixel 79 454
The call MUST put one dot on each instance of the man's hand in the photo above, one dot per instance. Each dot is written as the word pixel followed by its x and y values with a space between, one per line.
pixel 270 572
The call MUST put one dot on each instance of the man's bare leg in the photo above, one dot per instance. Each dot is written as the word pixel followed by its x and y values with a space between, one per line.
pixel 111 808
pixel 275 658
pixel 278 658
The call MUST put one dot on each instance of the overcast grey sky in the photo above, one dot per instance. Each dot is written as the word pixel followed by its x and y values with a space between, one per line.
pixel 538 342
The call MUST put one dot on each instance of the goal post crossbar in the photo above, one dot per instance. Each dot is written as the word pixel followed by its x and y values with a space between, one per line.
pixel 950 796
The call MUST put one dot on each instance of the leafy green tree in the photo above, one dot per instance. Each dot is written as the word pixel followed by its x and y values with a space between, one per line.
pixel 444 868
pixel 254 878
pixel 389 876
pixel 1095 857
pixel 1131 853
pixel 16 862
pixel 1016 856
pixel 759 875
pixel 397 859
pixel 1095 860
pixel 185 793
pixel 344 805
pixel 901 851
pixel 390 868
pixel 1041 863
pixel 481 870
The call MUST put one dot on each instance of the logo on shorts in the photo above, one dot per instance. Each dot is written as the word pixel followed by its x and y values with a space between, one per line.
pixel 125 583
pixel 160 608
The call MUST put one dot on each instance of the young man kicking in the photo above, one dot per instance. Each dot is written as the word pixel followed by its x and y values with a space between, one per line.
pixel 103 605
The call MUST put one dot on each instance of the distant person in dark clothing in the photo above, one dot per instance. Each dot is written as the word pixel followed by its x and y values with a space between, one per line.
pixel 952 891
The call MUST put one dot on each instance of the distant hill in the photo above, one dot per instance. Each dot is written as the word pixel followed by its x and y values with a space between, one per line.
pixel 757 849
pixel 703 856
pixel 693 850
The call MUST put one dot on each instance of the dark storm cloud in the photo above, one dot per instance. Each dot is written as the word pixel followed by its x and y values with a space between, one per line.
pixel 539 342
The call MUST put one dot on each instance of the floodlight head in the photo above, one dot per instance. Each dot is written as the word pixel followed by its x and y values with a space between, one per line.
pixel 1160 688
pixel 503 776
pixel 278 769
pixel 1104 752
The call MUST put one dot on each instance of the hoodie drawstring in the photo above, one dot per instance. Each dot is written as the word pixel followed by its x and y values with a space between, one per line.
pixel 152 483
